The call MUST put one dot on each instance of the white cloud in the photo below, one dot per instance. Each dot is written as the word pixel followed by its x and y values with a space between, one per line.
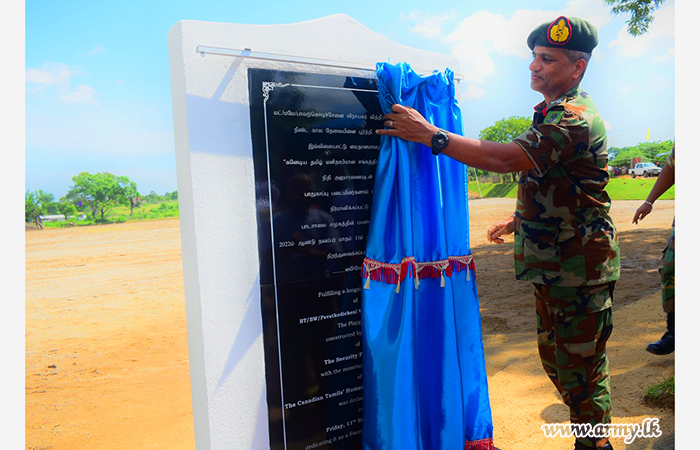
pixel 597 13
pixel 472 91
pixel 55 78
pixel 475 62
pixel 97 50
pixel 668 55
pixel 428 25
pixel 483 35
pixel 646 44
pixel 479 37
pixel 50 74
pixel 82 94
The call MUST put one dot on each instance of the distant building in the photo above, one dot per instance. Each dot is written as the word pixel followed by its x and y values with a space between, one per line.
pixel 53 218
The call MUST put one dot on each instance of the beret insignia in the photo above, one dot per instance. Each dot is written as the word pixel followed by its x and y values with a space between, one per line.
pixel 559 31
pixel 571 33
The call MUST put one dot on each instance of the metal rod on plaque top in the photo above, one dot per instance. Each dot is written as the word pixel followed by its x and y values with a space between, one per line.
pixel 248 53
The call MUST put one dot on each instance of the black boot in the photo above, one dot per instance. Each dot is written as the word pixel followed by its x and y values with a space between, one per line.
pixel 666 344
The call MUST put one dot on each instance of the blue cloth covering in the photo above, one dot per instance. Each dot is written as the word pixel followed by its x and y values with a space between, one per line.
pixel 423 360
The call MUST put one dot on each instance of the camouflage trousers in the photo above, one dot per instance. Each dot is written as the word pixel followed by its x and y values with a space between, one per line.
pixel 667 269
pixel 573 327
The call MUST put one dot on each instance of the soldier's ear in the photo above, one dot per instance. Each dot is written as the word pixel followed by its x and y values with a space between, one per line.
pixel 580 67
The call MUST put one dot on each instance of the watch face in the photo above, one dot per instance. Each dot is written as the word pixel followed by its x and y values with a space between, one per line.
pixel 440 140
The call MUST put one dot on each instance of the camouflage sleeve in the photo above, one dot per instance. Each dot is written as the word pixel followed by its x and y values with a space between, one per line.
pixel 560 137
pixel 672 159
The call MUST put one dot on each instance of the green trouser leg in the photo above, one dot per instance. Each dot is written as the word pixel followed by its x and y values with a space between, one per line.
pixel 572 331
pixel 667 269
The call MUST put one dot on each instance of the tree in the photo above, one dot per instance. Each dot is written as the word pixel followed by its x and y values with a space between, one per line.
pixel 36 204
pixel 505 130
pixel 66 208
pixel 152 197
pixel 641 12
pixel 100 192
pixel 656 151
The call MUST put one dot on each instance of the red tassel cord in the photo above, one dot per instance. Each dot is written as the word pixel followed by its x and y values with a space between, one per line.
pixel 481 444
pixel 395 273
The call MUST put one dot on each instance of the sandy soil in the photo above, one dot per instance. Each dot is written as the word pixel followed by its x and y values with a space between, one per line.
pixel 106 344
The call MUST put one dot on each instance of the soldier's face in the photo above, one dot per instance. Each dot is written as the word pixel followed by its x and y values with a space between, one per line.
pixel 552 73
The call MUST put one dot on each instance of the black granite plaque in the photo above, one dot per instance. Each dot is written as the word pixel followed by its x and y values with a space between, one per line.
pixel 315 153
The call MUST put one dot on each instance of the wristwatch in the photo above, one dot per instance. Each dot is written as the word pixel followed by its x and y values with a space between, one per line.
pixel 440 141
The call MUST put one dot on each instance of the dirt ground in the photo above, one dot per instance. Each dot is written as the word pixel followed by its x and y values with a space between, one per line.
pixel 106 343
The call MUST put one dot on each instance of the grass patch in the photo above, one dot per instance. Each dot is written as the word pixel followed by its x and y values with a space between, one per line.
pixel 617 188
pixel 147 211
pixel 494 190
pixel 635 189
pixel 662 394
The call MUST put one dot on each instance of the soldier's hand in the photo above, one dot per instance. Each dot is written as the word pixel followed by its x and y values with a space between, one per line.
pixel 642 212
pixel 408 124
pixel 499 229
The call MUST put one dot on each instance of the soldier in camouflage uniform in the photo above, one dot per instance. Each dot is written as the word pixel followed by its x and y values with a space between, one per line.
pixel 565 241
pixel 666 179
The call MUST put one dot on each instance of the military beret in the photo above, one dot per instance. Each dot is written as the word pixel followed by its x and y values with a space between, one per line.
pixel 572 33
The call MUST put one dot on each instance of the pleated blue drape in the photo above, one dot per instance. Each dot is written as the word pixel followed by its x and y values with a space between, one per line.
pixel 423 360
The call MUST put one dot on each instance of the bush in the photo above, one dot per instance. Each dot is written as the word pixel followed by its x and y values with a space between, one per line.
pixel 71 222
pixel 662 394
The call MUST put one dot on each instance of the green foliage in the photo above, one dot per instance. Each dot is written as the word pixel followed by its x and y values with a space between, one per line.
pixel 105 197
pixel 641 13
pixel 153 198
pixel 648 151
pixel 36 203
pixel 504 131
pixel 100 192
pixel 150 211
pixel 66 208
pixel 52 208
pixel 70 222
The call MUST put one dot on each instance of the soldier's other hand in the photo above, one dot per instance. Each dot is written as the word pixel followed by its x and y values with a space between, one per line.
pixel 642 212
pixel 407 123
pixel 499 229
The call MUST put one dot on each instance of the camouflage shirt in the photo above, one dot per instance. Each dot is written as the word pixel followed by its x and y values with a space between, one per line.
pixel 564 235
pixel 671 161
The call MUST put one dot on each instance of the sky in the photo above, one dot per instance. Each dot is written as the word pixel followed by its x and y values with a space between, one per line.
pixel 97 93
